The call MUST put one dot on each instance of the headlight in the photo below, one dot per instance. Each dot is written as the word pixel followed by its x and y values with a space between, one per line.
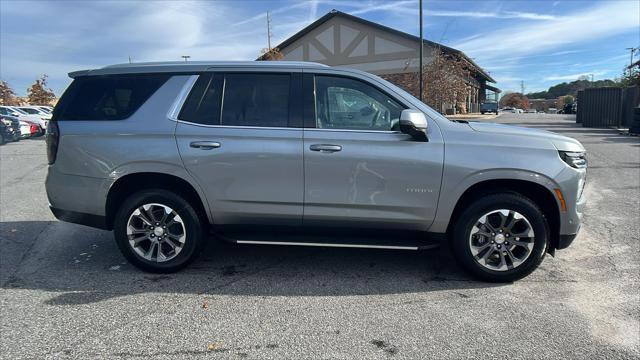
pixel 7 122
pixel 576 160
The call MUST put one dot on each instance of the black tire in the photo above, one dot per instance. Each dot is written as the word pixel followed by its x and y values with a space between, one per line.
pixel 464 224
pixel 482 112
pixel 194 239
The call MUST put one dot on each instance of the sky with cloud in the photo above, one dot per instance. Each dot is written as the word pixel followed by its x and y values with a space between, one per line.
pixel 539 42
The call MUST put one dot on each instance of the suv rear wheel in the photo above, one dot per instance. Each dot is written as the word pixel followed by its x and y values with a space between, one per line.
pixel 500 237
pixel 158 231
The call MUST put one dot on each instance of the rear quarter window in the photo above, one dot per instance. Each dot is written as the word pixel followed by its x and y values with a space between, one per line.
pixel 112 97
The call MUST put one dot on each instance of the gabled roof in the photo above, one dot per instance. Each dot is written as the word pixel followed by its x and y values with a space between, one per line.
pixel 333 13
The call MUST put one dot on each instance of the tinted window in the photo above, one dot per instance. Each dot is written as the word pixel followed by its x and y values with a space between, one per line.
pixel 343 103
pixel 256 100
pixel 203 103
pixel 113 97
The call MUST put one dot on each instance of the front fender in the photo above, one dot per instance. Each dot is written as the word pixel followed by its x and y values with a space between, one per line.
pixel 452 192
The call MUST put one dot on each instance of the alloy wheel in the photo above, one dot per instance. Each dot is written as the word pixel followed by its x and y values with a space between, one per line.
pixel 156 232
pixel 501 240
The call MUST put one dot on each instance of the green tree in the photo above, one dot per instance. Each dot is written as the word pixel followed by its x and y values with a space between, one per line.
pixel 568 99
pixel 39 94
pixel 7 95
pixel 632 75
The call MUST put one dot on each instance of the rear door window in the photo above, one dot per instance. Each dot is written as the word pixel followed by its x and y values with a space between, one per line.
pixel 203 103
pixel 111 97
pixel 239 99
pixel 256 100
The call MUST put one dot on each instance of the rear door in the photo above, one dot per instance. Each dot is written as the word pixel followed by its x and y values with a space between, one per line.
pixel 238 137
pixel 360 170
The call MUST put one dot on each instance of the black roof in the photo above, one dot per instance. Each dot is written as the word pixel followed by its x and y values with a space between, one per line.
pixel 333 13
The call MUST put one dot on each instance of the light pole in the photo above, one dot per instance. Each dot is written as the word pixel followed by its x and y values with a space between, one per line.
pixel 420 62
pixel 185 57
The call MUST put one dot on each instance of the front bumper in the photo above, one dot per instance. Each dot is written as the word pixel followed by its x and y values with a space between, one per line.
pixel 564 241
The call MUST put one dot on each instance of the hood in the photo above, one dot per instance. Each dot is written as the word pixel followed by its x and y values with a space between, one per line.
pixel 561 142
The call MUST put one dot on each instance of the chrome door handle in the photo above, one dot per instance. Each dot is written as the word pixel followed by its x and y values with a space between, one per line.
pixel 325 148
pixel 205 145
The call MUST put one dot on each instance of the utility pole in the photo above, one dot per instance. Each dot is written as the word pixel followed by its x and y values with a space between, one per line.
pixel 522 87
pixel 129 59
pixel 632 50
pixel 185 57
pixel 421 50
pixel 269 32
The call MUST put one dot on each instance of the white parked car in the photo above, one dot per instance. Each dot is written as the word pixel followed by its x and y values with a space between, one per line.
pixel 22 115
pixel 35 110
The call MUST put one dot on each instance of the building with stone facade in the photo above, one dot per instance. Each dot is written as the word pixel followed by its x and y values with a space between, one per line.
pixel 340 39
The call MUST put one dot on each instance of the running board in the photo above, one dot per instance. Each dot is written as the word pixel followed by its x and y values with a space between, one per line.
pixel 337 239
pixel 338 245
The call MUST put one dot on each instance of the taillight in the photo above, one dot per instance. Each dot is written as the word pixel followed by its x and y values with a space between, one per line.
pixel 33 129
pixel 52 138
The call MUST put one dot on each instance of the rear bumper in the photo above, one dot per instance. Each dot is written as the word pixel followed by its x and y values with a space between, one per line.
pixel 91 220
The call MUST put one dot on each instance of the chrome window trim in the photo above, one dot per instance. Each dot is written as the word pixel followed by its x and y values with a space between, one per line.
pixel 286 128
pixel 177 105
pixel 237 127
pixel 356 130
pixel 175 109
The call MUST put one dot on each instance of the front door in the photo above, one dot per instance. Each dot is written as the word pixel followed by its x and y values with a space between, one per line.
pixel 240 148
pixel 360 170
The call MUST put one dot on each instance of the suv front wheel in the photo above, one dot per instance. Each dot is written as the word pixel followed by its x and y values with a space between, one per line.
pixel 158 231
pixel 500 237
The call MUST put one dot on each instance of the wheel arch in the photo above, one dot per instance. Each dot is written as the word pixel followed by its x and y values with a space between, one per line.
pixel 131 183
pixel 537 193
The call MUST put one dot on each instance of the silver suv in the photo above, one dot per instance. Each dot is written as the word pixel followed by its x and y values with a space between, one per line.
pixel 287 153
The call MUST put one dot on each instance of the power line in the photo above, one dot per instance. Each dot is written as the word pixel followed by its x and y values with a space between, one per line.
pixel 269 30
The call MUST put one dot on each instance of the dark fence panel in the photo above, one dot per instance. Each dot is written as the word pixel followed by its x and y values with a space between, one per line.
pixel 579 111
pixel 630 101
pixel 601 107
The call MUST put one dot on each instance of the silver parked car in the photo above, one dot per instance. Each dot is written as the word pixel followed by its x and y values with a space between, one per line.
pixel 288 153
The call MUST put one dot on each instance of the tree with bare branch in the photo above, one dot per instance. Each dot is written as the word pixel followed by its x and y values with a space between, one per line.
pixel 7 95
pixel 272 54
pixel 39 94
pixel 445 81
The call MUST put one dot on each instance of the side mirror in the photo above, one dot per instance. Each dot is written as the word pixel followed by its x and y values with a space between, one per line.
pixel 414 123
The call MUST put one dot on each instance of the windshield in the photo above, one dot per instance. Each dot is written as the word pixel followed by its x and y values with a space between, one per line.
pixel 30 110
pixel 18 111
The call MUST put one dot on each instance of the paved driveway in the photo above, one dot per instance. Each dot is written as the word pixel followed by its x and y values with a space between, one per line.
pixel 65 290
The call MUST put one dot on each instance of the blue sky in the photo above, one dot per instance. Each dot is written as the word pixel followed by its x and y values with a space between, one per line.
pixel 539 42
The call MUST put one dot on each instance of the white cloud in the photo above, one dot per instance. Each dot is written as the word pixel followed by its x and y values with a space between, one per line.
pixel 604 20
pixel 498 15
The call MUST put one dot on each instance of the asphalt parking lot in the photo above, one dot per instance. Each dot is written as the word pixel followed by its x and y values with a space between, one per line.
pixel 66 292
